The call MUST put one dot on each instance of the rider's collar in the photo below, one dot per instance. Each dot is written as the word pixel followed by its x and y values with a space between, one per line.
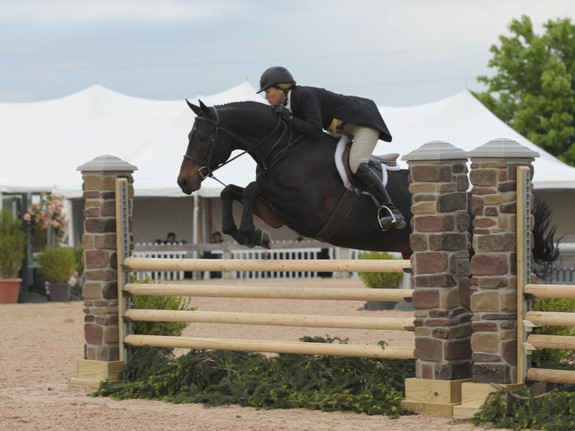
pixel 287 102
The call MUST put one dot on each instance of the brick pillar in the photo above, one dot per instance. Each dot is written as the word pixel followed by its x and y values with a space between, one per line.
pixel 100 291
pixel 440 242
pixel 493 266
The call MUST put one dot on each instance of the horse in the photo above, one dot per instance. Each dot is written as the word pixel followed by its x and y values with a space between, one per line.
pixel 297 183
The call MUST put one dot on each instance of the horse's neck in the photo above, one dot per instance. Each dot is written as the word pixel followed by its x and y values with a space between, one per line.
pixel 255 131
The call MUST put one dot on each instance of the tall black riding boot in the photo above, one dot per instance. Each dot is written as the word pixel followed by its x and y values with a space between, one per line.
pixel 379 193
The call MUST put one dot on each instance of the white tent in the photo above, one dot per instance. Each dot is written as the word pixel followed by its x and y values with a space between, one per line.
pixel 43 143
pixel 464 122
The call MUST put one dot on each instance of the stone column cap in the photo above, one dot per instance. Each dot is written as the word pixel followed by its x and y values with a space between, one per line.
pixel 502 148
pixel 108 164
pixel 436 150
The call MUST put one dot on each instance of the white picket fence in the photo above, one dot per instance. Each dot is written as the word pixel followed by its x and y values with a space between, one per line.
pixel 564 274
pixel 287 250
pixel 164 251
pixel 285 253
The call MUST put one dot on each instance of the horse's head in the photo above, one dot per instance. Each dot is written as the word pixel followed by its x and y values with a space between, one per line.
pixel 209 145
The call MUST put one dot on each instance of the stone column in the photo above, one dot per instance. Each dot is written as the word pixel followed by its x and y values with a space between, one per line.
pixel 440 242
pixel 100 290
pixel 493 266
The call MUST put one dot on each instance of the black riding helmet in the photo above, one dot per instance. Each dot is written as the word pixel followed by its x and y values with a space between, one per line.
pixel 274 76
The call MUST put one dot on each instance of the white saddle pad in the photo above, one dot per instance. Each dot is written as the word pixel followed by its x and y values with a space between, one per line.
pixel 343 140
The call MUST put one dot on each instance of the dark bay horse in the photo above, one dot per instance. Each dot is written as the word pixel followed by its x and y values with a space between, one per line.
pixel 297 181
pixel 298 185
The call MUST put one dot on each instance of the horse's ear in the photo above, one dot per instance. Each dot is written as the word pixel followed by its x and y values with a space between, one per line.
pixel 198 110
pixel 193 107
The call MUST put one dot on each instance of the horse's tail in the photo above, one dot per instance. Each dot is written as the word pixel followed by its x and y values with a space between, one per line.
pixel 545 248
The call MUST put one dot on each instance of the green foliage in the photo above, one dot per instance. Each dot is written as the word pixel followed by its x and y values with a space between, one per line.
pixel 57 264
pixel 78 252
pixel 12 245
pixel 551 358
pixel 327 383
pixel 161 303
pixel 379 279
pixel 521 409
pixel 533 89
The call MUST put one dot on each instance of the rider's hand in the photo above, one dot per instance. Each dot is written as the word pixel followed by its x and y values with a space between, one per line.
pixel 282 112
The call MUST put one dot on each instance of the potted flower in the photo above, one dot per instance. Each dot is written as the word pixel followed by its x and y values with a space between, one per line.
pixel 12 252
pixel 380 280
pixel 47 215
pixel 57 265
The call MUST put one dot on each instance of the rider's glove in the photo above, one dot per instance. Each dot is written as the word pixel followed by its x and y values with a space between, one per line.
pixel 282 112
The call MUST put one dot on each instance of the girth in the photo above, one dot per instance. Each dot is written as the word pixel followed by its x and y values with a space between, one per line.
pixel 338 216
pixel 349 199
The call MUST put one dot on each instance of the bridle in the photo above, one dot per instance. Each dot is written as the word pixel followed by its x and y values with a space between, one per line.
pixel 205 165
pixel 205 170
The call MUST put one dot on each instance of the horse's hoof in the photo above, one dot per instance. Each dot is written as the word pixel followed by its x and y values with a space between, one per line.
pixel 266 240
pixel 263 239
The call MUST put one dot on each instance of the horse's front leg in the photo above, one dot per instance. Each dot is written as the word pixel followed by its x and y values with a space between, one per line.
pixel 228 195
pixel 247 228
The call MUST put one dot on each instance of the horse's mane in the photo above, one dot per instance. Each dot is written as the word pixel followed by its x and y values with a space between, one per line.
pixel 247 107
pixel 240 104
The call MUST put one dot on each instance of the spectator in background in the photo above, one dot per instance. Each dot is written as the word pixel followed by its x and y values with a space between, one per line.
pixel 216 239
pixel 171 238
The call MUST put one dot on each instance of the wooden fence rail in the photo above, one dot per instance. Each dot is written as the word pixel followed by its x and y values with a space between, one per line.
pixel 336 265
pixel 294 347
pixel 269 292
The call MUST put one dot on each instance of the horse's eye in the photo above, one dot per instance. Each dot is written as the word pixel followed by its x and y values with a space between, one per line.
pixel 204 137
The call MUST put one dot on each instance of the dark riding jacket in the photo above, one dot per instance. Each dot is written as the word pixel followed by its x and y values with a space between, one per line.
pixel 315 108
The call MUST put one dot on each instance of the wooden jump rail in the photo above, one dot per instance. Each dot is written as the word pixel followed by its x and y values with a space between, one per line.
pixel 294 320
pixel 335 265
pixel 300 348
pixel 263 292
pixel 304 321
pixel 540 341
pixel 526 319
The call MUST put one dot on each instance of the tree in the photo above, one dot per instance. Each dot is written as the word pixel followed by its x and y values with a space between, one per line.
pixel 534 88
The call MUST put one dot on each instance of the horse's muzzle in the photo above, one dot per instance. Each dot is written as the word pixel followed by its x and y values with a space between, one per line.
pixel 186 187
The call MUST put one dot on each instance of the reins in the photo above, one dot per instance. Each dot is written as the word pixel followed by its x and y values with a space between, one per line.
pixel 205 171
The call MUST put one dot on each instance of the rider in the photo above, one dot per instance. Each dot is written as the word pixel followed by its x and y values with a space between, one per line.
pixel 309 110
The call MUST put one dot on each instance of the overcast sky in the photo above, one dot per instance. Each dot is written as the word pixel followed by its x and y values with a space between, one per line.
pixel 396 52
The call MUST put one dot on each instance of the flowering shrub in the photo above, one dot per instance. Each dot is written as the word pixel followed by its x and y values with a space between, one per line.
pixel 48 213
pixel 379 279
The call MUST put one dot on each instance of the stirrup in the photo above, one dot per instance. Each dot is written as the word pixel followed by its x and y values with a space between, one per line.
pixel 388 221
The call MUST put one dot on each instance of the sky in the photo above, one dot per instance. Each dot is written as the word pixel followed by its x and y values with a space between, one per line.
pixel 396 52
